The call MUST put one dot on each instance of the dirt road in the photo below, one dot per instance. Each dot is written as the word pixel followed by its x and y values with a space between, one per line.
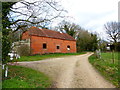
pixel 70 72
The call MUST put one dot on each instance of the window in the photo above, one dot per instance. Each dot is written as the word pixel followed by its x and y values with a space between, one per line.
pixel 68 47
pixel 44 45
pixel 58 47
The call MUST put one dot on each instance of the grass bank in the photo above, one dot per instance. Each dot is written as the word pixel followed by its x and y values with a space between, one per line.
pixel 41 57
pixel 22 77
pixel 106 66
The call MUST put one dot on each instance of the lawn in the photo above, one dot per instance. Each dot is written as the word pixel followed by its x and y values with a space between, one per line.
pixel 107 67
pixel 41 57
pixel 22 77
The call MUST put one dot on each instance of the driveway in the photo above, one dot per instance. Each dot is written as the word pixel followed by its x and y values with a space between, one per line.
pixel 70 72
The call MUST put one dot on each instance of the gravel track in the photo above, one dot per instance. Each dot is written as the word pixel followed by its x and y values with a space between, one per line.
pixel 70 72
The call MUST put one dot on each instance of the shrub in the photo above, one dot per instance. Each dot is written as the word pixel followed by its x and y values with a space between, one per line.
pixel 23 50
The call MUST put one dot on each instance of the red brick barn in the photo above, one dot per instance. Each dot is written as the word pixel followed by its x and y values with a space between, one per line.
pixel 48 41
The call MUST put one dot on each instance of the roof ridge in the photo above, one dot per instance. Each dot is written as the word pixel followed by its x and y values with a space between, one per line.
pixel 51 30
pixel 49 33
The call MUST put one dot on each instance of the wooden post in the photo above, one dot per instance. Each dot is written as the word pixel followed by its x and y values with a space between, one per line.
pixel 113 56
pixel 6 71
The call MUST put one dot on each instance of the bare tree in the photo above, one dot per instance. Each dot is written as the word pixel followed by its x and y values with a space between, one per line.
pixel 112 29
pixel 67 27
pixel 34 13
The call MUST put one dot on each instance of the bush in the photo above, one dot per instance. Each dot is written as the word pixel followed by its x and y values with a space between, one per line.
pixel 118 46
pixel 23 50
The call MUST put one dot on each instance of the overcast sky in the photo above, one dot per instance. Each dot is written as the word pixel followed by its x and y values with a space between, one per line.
pixel 92 14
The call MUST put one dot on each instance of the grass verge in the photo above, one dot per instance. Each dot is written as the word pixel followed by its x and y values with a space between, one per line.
pixel 41 57
pixel 106 67
pixel 22 77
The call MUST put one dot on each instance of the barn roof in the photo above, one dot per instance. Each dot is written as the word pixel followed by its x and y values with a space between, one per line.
pixel 49 33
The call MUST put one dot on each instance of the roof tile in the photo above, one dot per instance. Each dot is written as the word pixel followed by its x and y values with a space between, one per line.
pixel 49 33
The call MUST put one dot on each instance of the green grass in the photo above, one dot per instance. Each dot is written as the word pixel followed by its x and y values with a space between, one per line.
pixel 41 57
pixel 22 77
pixel 106 66
pixel 109 56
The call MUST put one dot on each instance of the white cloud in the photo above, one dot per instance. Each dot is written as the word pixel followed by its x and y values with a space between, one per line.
pixel 92 14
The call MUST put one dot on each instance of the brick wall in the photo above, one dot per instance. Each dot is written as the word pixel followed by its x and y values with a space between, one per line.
pixel 25 35
pixel 37 45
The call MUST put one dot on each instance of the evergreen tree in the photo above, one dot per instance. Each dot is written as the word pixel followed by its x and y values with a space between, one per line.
pixel 6 40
